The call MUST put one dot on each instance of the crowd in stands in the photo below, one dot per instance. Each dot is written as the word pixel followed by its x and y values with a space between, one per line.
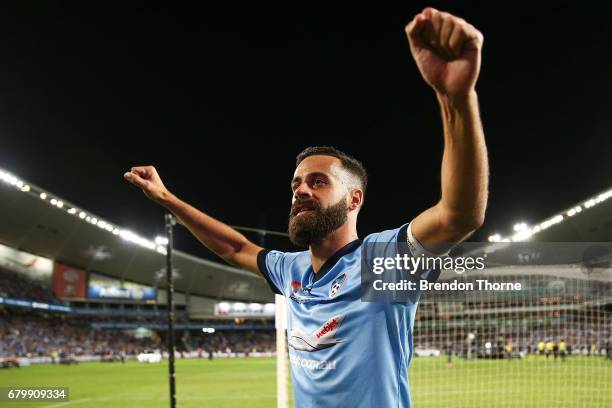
pixel 37 334
pixel 233 341
pixel 19 286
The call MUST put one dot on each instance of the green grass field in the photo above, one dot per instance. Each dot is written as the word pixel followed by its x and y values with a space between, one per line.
pixel 579 382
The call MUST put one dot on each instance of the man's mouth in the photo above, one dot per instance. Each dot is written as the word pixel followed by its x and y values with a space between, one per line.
pixel 303 209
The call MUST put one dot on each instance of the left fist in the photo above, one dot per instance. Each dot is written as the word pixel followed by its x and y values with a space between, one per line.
pixel 447 51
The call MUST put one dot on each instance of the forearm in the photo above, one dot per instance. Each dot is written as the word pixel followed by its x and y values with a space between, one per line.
pixel 220 238
pixel 465 168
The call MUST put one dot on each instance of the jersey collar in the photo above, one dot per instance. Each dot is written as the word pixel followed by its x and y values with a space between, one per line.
pixel 329 264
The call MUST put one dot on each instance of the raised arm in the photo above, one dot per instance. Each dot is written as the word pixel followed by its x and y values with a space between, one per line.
pixel 223 240
pixel 447 51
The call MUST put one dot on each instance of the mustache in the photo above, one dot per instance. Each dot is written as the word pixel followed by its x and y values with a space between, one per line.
pixel 299 204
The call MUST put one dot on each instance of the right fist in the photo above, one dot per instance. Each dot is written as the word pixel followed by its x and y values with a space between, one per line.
pixel 146 178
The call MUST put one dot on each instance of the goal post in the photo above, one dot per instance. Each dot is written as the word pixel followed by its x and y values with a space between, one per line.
pixel 282 398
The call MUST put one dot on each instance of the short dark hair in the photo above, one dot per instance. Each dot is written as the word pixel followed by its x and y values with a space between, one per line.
pixel 349 163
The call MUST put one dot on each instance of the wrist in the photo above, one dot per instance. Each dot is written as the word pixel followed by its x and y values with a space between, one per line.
pixel 457 102
pixel 166 199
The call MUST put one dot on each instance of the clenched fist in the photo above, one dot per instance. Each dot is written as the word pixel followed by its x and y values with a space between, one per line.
pixel 148 180
pixel 446 50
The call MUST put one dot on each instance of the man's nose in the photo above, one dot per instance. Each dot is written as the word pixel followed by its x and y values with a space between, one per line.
pixel 302 191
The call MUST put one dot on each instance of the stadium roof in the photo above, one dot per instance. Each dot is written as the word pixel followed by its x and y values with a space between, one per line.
pixel 587 221
pixel 41 223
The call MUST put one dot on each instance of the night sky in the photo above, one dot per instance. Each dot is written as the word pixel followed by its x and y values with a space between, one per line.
pixel 221 102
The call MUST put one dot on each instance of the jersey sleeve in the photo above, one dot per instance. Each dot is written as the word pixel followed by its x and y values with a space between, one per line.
pixel 399 242
pixel 271 264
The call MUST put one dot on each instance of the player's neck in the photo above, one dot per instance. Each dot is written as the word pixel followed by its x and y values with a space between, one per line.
pixel 322 251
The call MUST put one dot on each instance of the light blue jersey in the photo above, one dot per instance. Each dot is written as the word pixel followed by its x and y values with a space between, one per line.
pixel 343 352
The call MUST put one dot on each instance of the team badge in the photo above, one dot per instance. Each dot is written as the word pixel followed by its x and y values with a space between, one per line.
pixel 337 284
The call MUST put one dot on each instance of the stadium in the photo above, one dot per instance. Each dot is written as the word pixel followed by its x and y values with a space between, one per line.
pixel 108 300
pixel 82 300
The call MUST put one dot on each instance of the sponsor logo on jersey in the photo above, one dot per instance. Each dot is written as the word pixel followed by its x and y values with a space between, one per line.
pixel 337 284
pixel 322 338
pixel 312 364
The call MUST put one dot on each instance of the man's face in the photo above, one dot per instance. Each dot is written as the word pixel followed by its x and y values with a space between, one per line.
pixel 320 201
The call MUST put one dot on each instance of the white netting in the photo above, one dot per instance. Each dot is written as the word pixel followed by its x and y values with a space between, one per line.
pixel 547 345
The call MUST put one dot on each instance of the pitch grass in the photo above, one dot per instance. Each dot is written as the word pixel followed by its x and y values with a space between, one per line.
pixel 534 382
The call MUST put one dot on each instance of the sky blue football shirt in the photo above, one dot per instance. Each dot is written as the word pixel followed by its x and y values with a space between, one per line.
pixel 343 352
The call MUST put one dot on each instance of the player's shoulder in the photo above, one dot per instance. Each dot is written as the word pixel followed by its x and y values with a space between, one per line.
pixel 389 235
pixel 287 258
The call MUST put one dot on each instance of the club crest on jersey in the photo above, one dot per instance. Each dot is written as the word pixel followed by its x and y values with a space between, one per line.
pixel 337 284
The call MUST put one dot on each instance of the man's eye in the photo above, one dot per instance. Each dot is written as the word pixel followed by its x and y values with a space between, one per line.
pixel 319 182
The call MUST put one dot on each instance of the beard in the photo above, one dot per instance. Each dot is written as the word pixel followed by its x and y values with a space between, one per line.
pixel 312 228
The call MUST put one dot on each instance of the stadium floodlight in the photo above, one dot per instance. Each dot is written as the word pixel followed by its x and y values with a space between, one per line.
pixel 522 235
pixel 521 226
pixel 72 209
pixel 161 240
pixel 9 178
pixel 551 221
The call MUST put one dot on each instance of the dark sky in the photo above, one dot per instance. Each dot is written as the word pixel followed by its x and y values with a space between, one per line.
pixel 221 101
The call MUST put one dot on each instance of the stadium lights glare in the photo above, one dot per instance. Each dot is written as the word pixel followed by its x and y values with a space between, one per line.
pixel 494 238
pixel 521 226
pixel 208 330
pixel 523 232
pixel 160 242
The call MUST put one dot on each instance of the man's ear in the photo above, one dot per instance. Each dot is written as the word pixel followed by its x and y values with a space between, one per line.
pixel 355 199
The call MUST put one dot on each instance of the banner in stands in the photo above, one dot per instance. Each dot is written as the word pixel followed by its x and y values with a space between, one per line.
pixel 35 267
pixel 33 305
pixel 239 309
pixel 69 282
pixel 103 287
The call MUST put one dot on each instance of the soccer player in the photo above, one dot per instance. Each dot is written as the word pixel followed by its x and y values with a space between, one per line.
pixel 345 352
pixel 541 347
pixel 562 349
pixel 549 348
